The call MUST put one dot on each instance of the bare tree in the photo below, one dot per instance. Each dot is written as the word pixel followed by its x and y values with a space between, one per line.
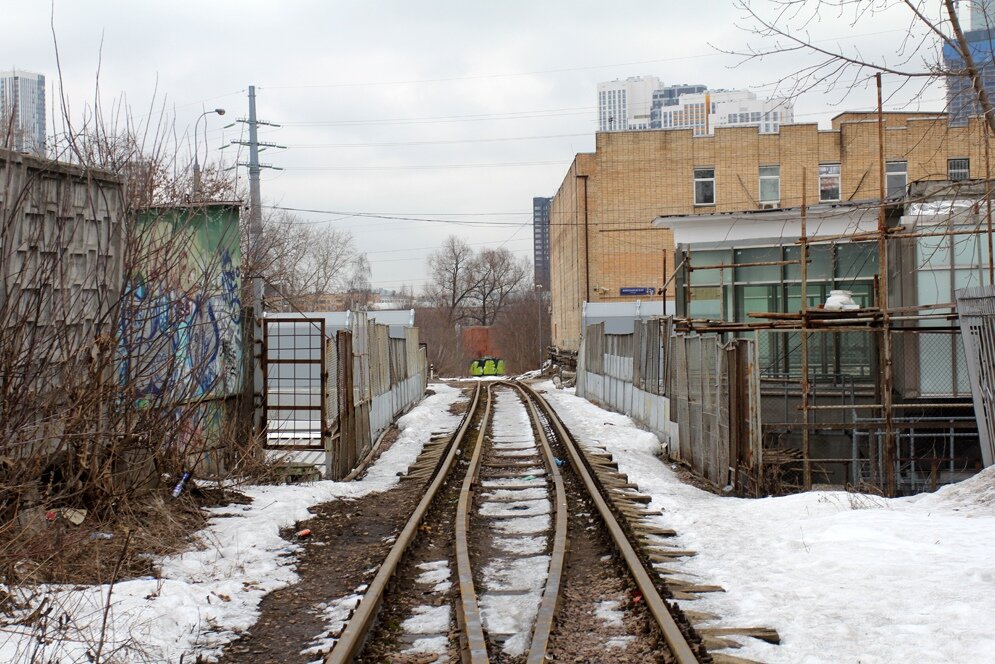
pixel 301 262
pixel 453 277
pixel 358 285
pixel 498 275
pixel 784 28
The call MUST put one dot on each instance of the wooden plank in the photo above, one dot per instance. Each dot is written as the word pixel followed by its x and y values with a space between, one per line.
pixel 763 633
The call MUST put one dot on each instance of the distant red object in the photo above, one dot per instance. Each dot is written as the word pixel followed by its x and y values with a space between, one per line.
pixel 477 342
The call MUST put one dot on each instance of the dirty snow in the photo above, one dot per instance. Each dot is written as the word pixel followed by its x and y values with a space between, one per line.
pixel 335 614
pixel 507 509
pixel 842 577
pixel 521 545
pixel 435 574
pixel 609 613
pixel 211 593
pixel 430 623
pixel 428 620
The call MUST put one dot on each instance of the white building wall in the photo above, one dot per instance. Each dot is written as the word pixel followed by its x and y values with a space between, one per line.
pixel 625 105
pixel 730 108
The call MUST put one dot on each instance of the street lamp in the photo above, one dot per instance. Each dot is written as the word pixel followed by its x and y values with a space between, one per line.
pixel 196 149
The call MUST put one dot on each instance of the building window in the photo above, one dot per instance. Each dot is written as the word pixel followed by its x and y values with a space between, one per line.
pixel 770 184
pixel 958 169
pixel 896 177
pixel 829 182
pixel 704 186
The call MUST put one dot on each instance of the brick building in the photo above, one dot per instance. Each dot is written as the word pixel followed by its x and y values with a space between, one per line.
pixel 604 249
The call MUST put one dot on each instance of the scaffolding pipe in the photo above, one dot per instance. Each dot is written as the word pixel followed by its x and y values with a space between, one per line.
pixel 806 451
pixel 890 487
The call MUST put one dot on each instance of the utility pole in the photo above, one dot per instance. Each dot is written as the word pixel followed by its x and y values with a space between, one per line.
pixel 253 247
pixel 255 198
pixel 255 147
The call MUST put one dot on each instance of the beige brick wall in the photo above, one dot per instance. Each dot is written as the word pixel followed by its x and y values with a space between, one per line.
pixel 634 177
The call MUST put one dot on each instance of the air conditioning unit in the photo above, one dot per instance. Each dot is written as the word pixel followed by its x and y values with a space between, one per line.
pixel 770 206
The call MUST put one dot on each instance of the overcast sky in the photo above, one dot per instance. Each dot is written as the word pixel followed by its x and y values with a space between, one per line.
pixel 456 111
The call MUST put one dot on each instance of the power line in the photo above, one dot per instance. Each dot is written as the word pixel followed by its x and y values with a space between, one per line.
pixel 440 119
pixel 425 167
pixel 439 142
pixel 540 72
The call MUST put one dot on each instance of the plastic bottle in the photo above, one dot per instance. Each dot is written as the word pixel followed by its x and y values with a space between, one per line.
pixel 178 489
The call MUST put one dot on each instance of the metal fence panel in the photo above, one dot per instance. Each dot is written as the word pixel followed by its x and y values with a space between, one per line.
pixel 976 307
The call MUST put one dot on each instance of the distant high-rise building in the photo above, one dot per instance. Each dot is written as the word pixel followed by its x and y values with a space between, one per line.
pixel 962 100
pixel 982 15
pixel 540 239
pixel 669 96
pixel 703 112
pixel 22 111
pixel 625 105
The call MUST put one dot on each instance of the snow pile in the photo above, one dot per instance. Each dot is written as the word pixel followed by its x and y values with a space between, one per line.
pixel 842 577
pixel 208 595
pixel 974 496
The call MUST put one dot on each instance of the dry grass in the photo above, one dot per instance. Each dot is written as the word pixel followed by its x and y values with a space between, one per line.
pixel 39 550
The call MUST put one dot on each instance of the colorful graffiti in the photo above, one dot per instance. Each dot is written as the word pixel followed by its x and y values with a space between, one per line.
pixel 181 324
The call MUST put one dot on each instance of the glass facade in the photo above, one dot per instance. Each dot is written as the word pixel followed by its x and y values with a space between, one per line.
pixel 756 282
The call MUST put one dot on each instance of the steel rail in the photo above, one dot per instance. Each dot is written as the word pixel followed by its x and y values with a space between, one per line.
pixel 475 648
pixel 672 634
pixel 551 594
pixel 353 637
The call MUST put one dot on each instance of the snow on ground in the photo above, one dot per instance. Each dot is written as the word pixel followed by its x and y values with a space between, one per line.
pixel 209 594
pixel 336 614
pixel 844 578
pixel 430 623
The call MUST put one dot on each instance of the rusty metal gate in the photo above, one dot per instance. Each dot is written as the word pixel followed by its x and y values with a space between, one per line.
pixel 296 389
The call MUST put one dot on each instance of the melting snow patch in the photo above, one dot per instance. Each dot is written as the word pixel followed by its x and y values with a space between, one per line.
pixel 336 614
pixel 516 573
pixel 510 615
pixel 428 620
pixel 438 645
pixel 517 494
pixel 521 545
pixel 436 574
pixel 513 481
pixel 515 509
pixel 524 525
pixel 619 641
pixel 609 613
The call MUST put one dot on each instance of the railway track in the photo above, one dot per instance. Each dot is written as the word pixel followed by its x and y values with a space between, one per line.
pixel 506 497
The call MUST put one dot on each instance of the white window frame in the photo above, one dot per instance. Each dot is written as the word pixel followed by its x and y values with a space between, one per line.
pixel 776 178
pixel 827 173
pixel 892 170
pixel 704 175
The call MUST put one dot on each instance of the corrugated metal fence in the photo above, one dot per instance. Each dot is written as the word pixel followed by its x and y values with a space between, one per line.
pixel 976 309
pixel 698 395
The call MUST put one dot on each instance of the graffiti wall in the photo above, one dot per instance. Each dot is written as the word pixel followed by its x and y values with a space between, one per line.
pixel 181 326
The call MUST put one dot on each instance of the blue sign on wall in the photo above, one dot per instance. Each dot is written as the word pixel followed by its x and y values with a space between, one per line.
pixel 636 291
